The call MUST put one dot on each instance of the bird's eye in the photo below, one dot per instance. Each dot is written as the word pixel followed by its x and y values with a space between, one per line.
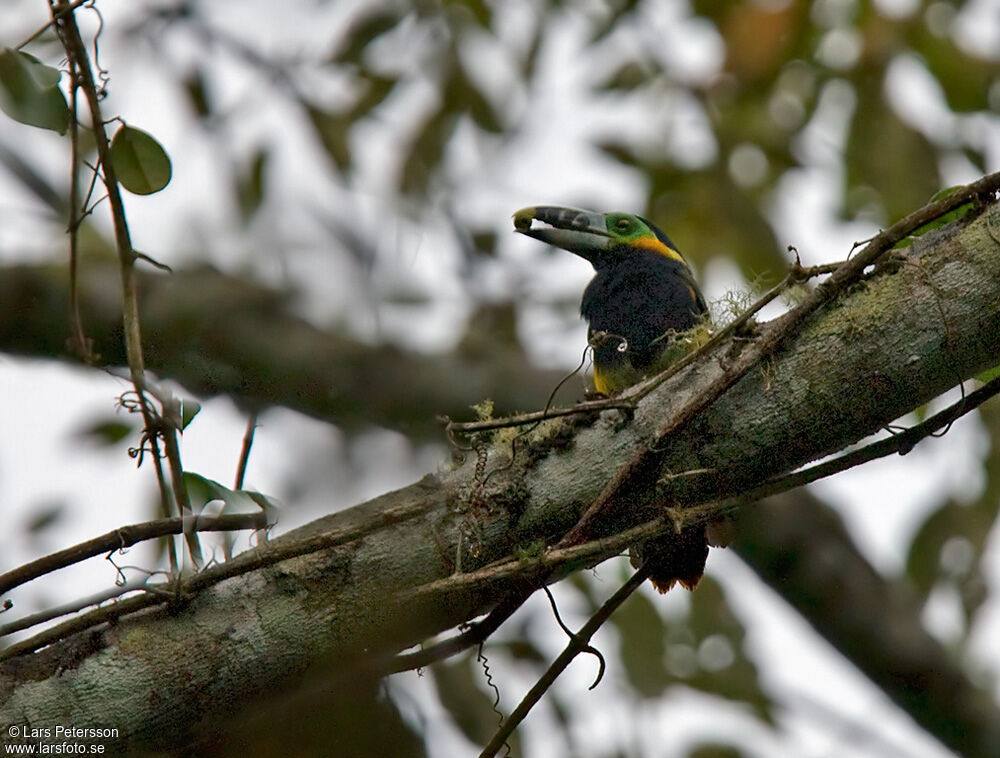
pixel 623 225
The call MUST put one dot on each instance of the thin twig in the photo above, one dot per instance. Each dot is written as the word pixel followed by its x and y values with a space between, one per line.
pixel 55 17
pixel 577 644
pixel 261 557
pixel 123 537
pixel 522 419
pixel 164 496
pixel 79 344
pixel 590 649
pixel 476 634
pixel 241 467
pixel 76 606
pixel 542 567
pixel 76 51
pixel 89 620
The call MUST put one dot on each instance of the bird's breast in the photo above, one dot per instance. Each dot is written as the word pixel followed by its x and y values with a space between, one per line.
pixel 636 304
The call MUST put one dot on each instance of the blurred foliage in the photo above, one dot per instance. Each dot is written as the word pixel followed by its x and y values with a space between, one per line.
pixel 715 750
pixel 105 431
pixel 948 549
pixel 702 649
pixel 780 60
pixel 44 516
pixel 354 722
pixel 781 64
pixel 460 685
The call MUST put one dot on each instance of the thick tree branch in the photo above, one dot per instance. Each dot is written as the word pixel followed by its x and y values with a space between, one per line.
pixel 886 346
pixel 219 334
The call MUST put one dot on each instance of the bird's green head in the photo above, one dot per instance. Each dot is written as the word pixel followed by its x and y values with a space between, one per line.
pixel 604 239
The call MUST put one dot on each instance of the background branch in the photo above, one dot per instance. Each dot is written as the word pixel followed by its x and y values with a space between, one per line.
pixel 245 329
pixel 874 623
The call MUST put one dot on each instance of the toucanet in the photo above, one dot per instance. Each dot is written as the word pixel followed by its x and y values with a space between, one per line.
pixel 641 298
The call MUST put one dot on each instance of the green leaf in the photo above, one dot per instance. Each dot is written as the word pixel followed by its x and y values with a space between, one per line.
pixel 105 432
pixel 202 490
pixel 189 409
pixel 29 92
pixel 643 645
pixel 45 77
pixel 363 32
pixel 250 185
pixel 141 163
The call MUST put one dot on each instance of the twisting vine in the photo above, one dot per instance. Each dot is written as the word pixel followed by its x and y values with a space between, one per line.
pixel 158 425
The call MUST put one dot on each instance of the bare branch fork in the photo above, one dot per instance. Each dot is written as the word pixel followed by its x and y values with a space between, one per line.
pixel 578 643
